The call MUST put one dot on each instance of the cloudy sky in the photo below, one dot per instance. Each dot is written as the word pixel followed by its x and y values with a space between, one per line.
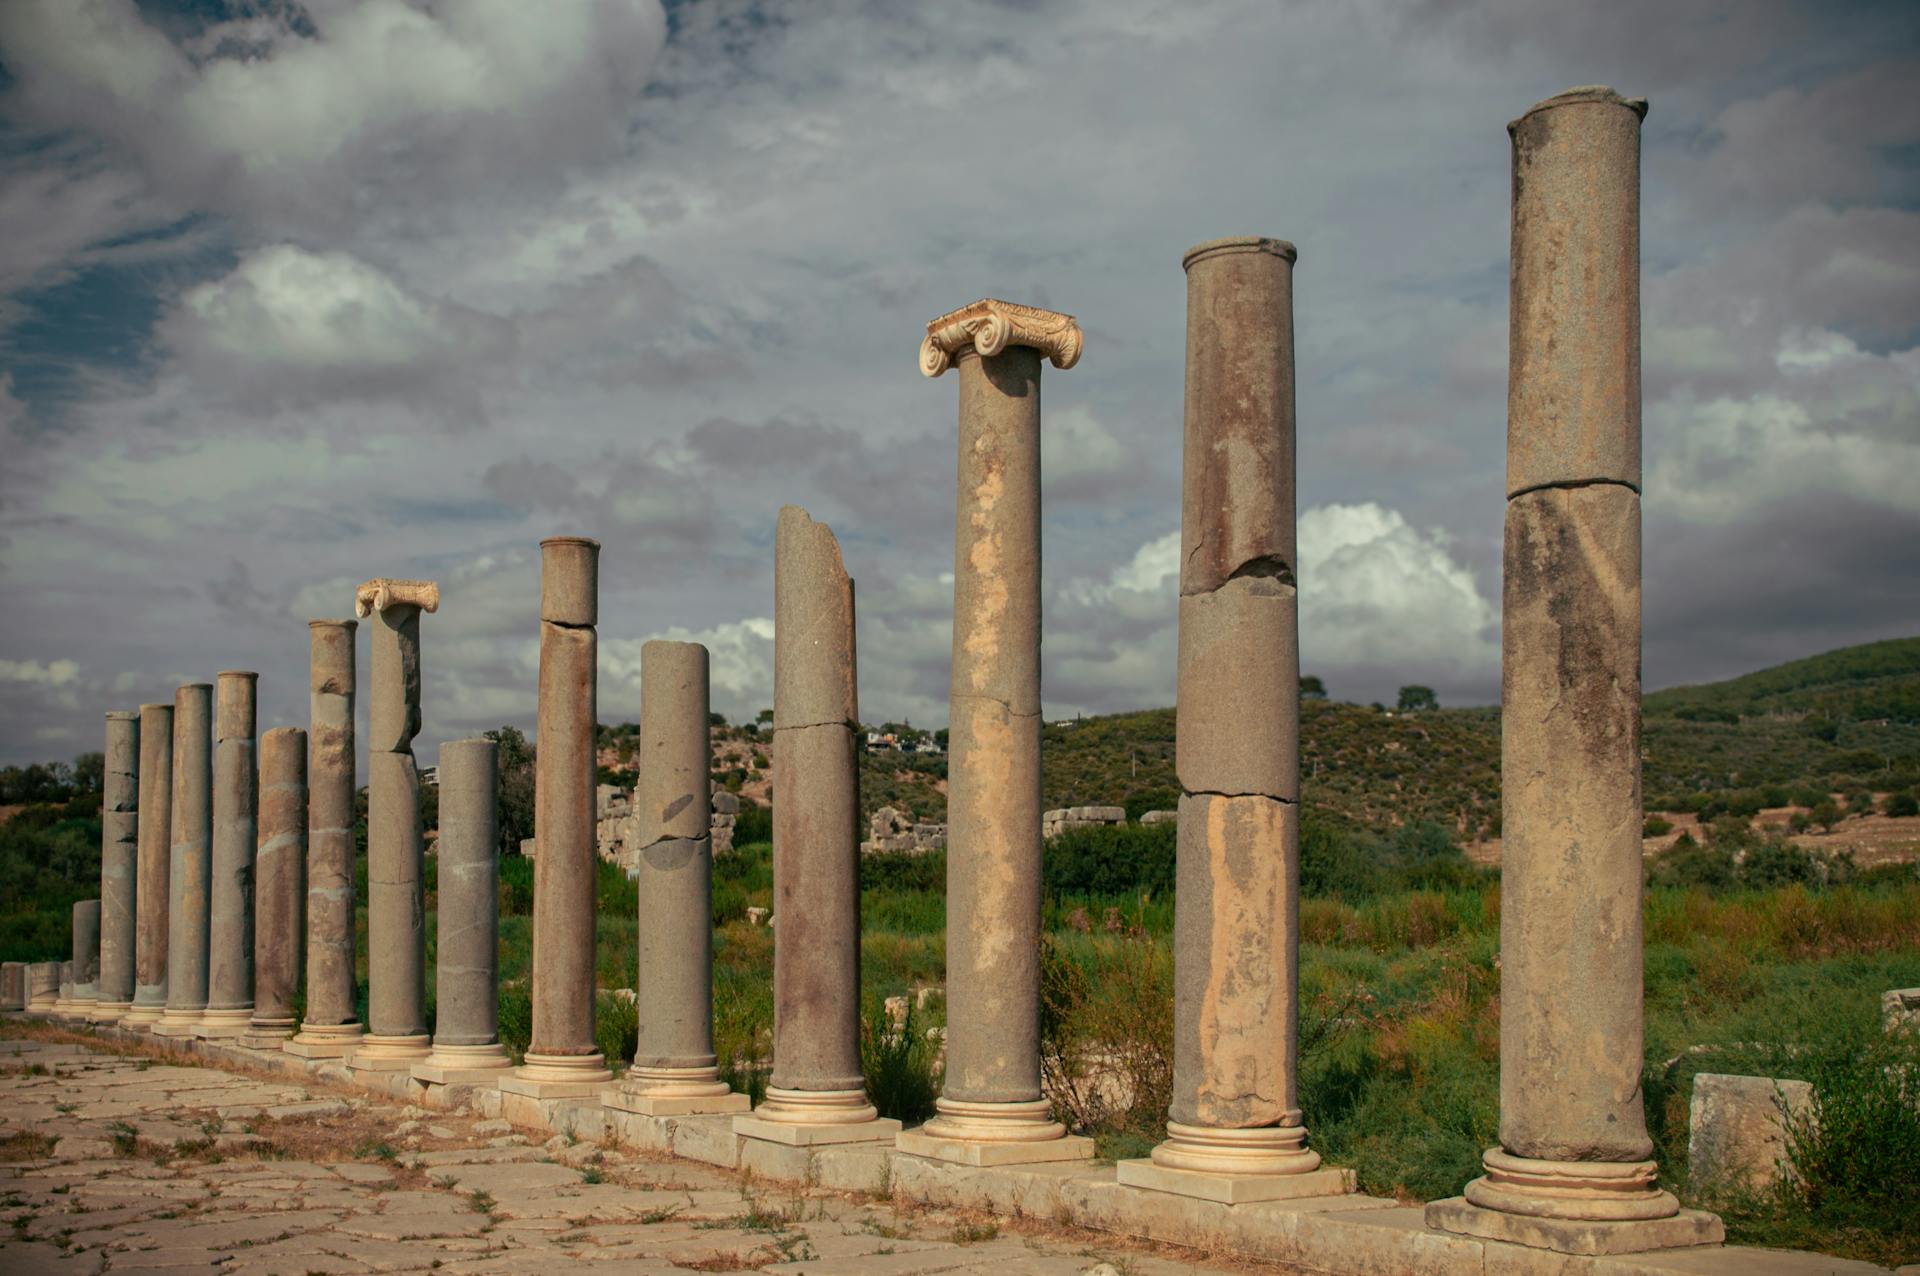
pixel 294 294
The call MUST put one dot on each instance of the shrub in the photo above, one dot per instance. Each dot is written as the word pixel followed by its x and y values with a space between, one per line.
pixel 1118 859
pixel 1106 1032
pixel 1656 826
pixel 1901 805
pixel 616 1027
pixel 902 1077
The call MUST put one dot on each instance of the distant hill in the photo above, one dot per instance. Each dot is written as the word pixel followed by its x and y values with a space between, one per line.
pixel 1874 681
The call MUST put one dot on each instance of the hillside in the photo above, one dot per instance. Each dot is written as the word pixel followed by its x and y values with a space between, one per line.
pixel 1873 681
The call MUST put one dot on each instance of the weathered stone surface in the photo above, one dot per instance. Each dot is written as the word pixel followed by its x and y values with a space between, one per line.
pixel 235 843
pixel 1900 1010
pixel 1237 718
pixel 1054 823
pixel 393 718
pixel 570 580
pixel 816 814
pixel 396 912
pixel 281 882
pixel 671 800
pixel 190 869
pixel 1737 1128
pixel 467 951
pixel 119 863
pixel 43 985
pixel 152 890
pixel 1573 400
pixel 1237 491
pixel 331 991
pixel 13 985
pixel 563 875
pixel 85 937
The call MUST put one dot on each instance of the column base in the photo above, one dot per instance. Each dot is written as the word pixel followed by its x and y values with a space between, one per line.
pixel 1234 1189
pixel 463 1065
pixel 178 1022
pixel 221 1024
pixel 325 1040
pixel 659 1092
pixel 559 1076
pixel 807 1118
pixel 981 1134
pixel 108 1012
pixel 377 1053
pixel 1576 1236
pixel 267 1034
pixel 1580 1191
pixel 141 1018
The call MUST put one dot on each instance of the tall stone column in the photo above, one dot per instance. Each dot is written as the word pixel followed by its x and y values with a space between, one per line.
pixel 236 825
pixel 1235 1131
pixel 190 863
pixel 466 1033
pixel 675 1070
pixel 83 972
pixel 280 873
pixel 331 1026
pixel 992 1110
pixel 817 1093
pixel 561 1058
pixel 119 860
pixel 396 897
pixel 1574 1168
pixel 152 894
pixel 43 986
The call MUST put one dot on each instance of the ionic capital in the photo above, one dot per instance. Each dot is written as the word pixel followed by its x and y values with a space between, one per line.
pixel 991 326
pixel 381 593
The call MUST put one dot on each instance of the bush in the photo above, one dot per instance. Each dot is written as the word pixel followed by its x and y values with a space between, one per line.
pixel 902 1076
pixel 1901 805
pixel 616 1027
pixel 753 824
pixel 1119 859
pixel 1106 1034
pixel 1656 826
pixel 1334 863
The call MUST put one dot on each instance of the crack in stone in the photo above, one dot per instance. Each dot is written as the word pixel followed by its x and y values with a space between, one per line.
pixel 830 722
pixel 1219 794
pixel 1011 711
pixel 1567 485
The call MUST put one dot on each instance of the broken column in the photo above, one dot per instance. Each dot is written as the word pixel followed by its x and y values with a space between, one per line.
pixel 1234 1129
pixel 119 860
pixel 466 1034
pixel 280 882
pixel 1574 1169
pixel 151 891
pixel 43 986
pixel 331 1025
pixel 817 1094
pixel 561 1058
pixel 84 969
pixel 235 834
pixel 190 861
pixel 396 897
pixel 13 985
pixel 991 1110
pixel 674 1071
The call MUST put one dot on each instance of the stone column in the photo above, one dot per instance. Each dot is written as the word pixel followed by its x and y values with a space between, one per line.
pixel 396 899
pixel 235 835
pixel 1235 1131
pixel 152 891
pixel 1573 1171
pixel 43 987
pixel 466 1034
pixel 992 1110
pixel 279 886
pixel 13 985
pixel 561 1058
pixel 331 1026
pixel 817 1093
pixel 83 972
pixel 674 1068
pixel 119 857
pixel 190 868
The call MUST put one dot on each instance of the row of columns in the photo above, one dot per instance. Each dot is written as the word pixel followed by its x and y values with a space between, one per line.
pixel 1573 1169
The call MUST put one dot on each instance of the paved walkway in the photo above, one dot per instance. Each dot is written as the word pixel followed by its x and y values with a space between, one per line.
pixel 120 1162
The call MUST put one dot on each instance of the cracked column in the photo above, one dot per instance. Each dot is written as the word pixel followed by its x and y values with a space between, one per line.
pixel 396 899
pixel 83 972
pixel 331 1026
pixel 675 1071
pixel 466 1033
pixel 1574 1169
pixel 561 1058
pixel 1234 1129
pixel 279 887
pixel 119 865
pixel 817 1094
pixel 190 861
pixel 992 1110
pixel 151 893
pixel 236 827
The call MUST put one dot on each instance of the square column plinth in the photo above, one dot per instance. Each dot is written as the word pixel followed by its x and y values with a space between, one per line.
pixel 981 1152
pixel 1234 1189
pixel 1576 1235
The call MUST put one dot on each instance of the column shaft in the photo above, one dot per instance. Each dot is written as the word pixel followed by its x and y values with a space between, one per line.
pixel 279 884
pixel 466 1033
pixel 332 1019
pixel 562 1054
pixel 236 828
pixel 152 894
pixel 86 956
pixel 119 864
pixel 396 899
pixel 816 837
pixel 190 871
